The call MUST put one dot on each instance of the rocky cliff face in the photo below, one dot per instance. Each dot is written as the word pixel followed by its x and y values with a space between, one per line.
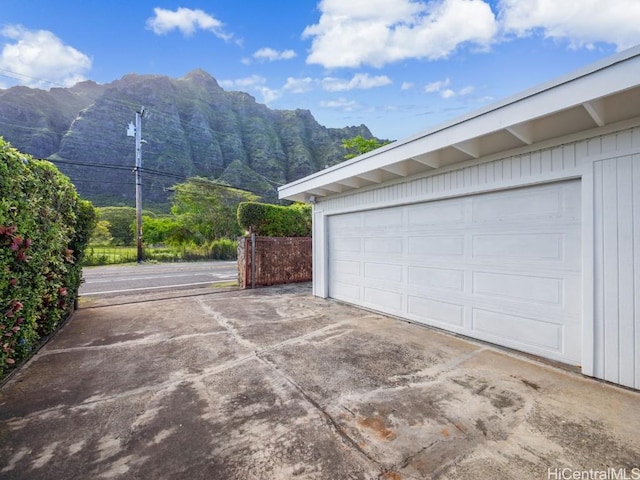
pixel 192 127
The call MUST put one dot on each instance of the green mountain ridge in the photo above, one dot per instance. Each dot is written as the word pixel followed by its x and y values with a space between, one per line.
pixel 192 127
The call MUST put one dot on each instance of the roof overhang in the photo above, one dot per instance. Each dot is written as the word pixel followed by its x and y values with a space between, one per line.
pixel 601 94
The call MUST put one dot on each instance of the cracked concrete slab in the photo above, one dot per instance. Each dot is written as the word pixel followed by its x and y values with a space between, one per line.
pixel 277 384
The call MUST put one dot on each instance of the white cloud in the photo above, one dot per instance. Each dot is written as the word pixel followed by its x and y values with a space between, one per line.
pixel 407 85
pixel 187 21
pixel 40 58
pixel 447 93
pixel 269 94
pixel 341 104
pixel 360 81
pixel 299 85
pixel 246 82
pixel 253 83
pixel 436 86
pixel 441 87
pixel 579 22
pixel 272 55
pixel 377 32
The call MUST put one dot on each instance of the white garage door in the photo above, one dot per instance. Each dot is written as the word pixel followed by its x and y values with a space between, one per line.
pixel 502 267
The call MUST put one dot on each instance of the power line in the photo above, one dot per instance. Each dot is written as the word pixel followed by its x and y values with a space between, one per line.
pixel 27 76
pixel 88 164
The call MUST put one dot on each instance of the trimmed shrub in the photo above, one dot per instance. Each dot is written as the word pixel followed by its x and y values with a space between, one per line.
pixel 268 220
pixel 44 228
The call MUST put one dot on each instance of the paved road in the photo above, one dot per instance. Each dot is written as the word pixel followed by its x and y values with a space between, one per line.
pixel 116 279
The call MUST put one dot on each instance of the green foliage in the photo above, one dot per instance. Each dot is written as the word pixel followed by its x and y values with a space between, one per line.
pixel 157 230
pixel 120 220
pixel 274 220
pixel 44 228
pixel 206 210
pixel 359 145
pixel 101 234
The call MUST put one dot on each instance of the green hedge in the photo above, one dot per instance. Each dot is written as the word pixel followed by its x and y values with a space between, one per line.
pixel 275 221
pixel 44 228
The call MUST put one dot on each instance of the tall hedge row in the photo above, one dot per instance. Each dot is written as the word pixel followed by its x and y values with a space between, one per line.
pixel 44 228
pixel 274 220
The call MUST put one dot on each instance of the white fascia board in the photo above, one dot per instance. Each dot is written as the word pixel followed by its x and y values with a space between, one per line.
pixel 613 74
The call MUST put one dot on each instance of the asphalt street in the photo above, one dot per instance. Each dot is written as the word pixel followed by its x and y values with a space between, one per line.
pixel 118 279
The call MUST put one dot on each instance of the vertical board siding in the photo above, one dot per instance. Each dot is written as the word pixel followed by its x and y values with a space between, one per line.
pixel 598 280
pixel 616 270
pixel 609 273
pixel 636 264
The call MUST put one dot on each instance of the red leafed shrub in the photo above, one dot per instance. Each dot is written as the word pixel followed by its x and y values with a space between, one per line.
pixel 44 227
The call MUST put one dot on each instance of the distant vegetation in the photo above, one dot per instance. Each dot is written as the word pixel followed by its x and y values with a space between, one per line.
pixel 359 145
pixel 202 224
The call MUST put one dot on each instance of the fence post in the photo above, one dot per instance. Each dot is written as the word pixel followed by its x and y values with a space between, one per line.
pixel 253 260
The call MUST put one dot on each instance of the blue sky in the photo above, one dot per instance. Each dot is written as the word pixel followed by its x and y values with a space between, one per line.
pixel 398 66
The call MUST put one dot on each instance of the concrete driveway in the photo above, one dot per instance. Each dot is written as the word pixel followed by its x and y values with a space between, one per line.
pixel 276 384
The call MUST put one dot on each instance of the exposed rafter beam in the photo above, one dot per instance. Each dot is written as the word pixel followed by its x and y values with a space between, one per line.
pixel 374 176
pixel 400 169
pixel 351 182
pixel 522 132
pixel 595 108
pixel 319 192
pixel 431 159
pixel 334 187
pixel 470 147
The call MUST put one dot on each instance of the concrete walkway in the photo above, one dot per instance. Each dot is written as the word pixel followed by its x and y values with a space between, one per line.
pixel 276 384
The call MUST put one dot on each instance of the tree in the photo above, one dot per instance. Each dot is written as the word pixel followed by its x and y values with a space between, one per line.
pixel 206 210
pixel 158 230
pixel 101 234
pixel 119 220
pixel 358 145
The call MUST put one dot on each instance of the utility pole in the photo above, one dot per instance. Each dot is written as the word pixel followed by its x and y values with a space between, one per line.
pixel 137 131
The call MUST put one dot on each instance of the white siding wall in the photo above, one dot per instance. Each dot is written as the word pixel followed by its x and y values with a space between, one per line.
pixel 611 195
pixel 616 301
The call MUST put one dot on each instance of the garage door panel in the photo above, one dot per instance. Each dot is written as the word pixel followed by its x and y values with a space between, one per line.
pixel 383 245
pixel 347 291
pixel 528 246
pixel 518 329
pixel 383 271
pixel 345 269
pixel 521 208
pixel 390 301
pixel 345 223
pixel 382 219
pixel 503 267
pixel 445 213
pixel 519 287
pixel 441 278
pixel 436 245
pixel 560 295
pixel 435 310
pixel 346 244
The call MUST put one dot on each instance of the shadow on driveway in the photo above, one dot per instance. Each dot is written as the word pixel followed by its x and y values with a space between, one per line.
pixel 277 384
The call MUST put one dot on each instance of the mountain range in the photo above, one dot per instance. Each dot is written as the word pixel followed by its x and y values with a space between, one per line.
pixel 191 127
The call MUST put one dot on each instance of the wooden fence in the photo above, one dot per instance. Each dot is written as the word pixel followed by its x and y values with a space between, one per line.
pixel 266 261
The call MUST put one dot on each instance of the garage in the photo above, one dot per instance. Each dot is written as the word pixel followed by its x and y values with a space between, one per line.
pixel 517 224
pixel 502 267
